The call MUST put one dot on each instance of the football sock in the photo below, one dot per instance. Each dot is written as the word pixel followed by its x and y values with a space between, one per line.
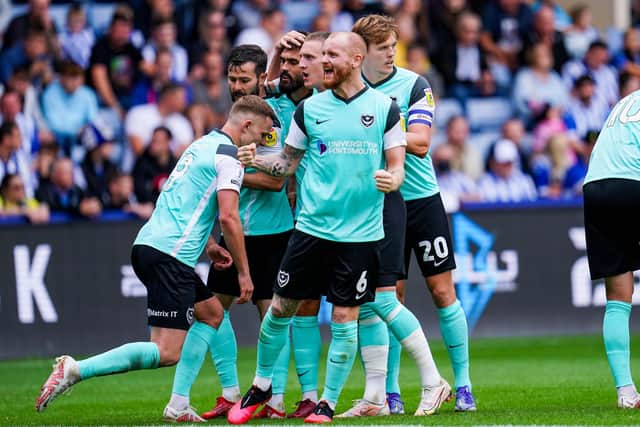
pixel 280 375
pixel 194 350
pixel 393 364
pixel 274 332
pixel 307 345
pixel 615 331
pixel 407 330
pixel 374 347
pixel 342 352
pixel 127 357
pixel 224 353
pixel 455 333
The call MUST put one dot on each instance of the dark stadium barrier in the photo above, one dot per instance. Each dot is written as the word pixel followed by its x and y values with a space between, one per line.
pixel 69 287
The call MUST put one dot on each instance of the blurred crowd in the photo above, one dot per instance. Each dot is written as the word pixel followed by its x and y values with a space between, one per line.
pixel 93 118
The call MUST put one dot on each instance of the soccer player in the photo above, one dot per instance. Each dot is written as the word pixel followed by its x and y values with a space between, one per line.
pixel 334 247
pixel 427 227
pixel 611 211
pixel 204 184
pixel 305 331
pixel 267 223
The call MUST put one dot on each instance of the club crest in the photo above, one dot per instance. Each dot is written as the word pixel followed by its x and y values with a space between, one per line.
pixel 366 120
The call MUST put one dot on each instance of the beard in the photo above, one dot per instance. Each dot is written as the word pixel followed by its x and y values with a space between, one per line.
pixel 235 95
pixel 290 84
pixel 340 74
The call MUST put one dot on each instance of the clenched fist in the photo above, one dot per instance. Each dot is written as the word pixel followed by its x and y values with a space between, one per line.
pixel 247 155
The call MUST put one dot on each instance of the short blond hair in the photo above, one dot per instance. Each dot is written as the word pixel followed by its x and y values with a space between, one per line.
pixel 252 104
pixel 375 29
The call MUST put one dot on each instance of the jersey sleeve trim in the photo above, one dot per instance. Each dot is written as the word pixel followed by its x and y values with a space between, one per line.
pixel 298 119
pixel 395 137
pixel 393 116
pixel 297 138
pixel 229 173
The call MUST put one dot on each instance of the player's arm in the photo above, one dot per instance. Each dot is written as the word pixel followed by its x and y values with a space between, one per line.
pixel 391 178
pixel 287 160
pixel 229 178
pixel 290 40
pixel 420 118
pixel 261 181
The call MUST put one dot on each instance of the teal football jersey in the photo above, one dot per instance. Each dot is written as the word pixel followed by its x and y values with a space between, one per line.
pixel 414 97
pixel 187 206
pixel 344 142
pixel 617 150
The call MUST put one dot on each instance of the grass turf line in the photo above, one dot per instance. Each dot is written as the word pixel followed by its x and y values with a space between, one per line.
pixel 560 380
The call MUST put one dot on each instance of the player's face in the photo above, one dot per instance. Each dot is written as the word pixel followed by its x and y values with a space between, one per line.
pixel 380 56
pixel 336 64
pixel 242 80
pixel 256 130
pixel 290 72
pixel 311 64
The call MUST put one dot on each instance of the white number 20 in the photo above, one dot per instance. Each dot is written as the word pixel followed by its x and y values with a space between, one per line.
pixel 439 245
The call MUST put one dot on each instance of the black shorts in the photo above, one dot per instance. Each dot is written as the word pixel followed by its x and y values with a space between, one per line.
pixel 428 236
pixel 172 287
pixel 345 272
pixel 264 254
pixel 612 226
pixel 394 215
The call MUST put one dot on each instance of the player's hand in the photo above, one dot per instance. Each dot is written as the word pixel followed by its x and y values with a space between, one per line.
pixel 220 257
pixel 290 40
pixel 247 154
pixel 246 288
pixel 384 181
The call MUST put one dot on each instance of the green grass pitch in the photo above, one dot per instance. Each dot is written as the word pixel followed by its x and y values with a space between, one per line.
pixel 560 380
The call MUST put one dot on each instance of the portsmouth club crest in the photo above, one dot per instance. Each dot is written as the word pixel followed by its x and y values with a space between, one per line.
pixel 366 120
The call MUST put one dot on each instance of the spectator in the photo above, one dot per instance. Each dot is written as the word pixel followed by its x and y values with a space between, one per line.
pixel 13 160
pixel 506 24
pixel 339 20
pixel 628 60
pixel 150 10
pixel 77 39
pixel 189 12
pixel 33 53
pixel 62 195
pixel 628 84
pixel 562 21
pixel 115 63
pixel 415 11
pixel 249 12
pixel 582 33
pixel 595 64
pixel 272 26
pixel 586 111
pixel 147 89
pixel 97 166
pixel 574 177
pixel 212 90
pixel 143 119
pixel 465 70
pixel 320 24
pixel 121 197
pixel 466 158
pixel 163 33
pixel 505 182
pixel 513 130
pixel 43 161
pixel 154 166
pixel 454 185
pixel 418 62
pixel 68 105
pixel 213 37
pixel 443 16
pixel 14 201
pixel 20 83
pixel 11 110
pixel 549 168
pixel 37 16
pixel 538 87
pixel 543 31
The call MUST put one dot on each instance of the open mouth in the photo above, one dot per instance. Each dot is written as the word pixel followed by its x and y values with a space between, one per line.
pixel 328 73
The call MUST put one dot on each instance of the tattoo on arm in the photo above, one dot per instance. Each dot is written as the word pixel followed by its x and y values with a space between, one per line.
pixel 280 164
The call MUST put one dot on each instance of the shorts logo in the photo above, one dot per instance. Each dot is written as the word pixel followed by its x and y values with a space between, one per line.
pixel 367 120
pixel 190 315
pixel 283 278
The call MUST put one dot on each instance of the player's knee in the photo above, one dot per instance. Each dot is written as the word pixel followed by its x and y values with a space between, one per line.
pixel 309 308
pixel 169 353
pixel 213 319
pixel 443 294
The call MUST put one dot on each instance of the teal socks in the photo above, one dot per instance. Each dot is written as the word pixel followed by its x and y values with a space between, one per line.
pixel 342 353
pixel 224 353
pixel 198 341
pixel 281 368
pixel 307 345
pixel 615 331
pixel 455 333
pixel 274 333
pixel 127 357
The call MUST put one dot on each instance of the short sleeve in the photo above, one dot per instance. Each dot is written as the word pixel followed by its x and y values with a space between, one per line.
pixel 421 104
pixel 228 168
pixel 297 137
pixel 394 136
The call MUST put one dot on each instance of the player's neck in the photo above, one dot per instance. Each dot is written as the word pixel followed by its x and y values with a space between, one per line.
pixel 231 132
pixel 299 94
pixel 350 87
pixel 373 76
